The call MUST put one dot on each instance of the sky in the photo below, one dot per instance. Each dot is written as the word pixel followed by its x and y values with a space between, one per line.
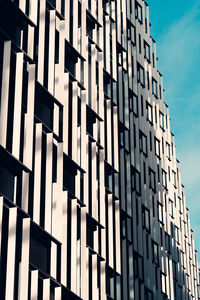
pixel 175 25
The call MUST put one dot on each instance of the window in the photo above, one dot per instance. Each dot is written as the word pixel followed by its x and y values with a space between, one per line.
pixel 155 253
pixel 148 83
pixel 157 147
pixel 162 120
pixel 44 109
pixel 12 27
pixel 176 232
pixel 138 12
pixel 154 87
pixel 141 76
pixel 171 208
pixel 134 99
pixel 142 106
pixel 152 180
pixel 143 143
pixel 174 179
pixel 168 151
pixel 167 242
pixel 70 59
pixel 150 140
pixel 108 178
pixel 164 179
pixel 180 205
pixel 91 227
pixel 90 25
pixel 160 212
pixel 136 183
pixel 40 246
pixel 69 174
pixel 149 112
pixel 110 285
pixel 147 53
pixel 146 218
pixel 7 182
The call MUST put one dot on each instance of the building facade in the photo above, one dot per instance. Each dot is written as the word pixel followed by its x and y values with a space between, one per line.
pixel 91 201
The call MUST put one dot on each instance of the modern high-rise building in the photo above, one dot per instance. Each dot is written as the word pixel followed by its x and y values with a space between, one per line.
pixel 91 201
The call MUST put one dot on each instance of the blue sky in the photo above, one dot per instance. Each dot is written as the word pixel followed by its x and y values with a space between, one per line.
pixel 176 29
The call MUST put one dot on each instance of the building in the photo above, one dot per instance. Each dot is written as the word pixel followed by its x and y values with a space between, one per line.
pixel 92 205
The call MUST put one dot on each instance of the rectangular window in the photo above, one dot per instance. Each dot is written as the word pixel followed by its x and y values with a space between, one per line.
pixel 171 208
pixel 162 120
pixel 154 87
pixel 147 53
pixel 164 179
pixel 141 75
pixel 143 143
pixel 167 242
pixel 176 232
pixel 174 179
pixel 155 253
pixel 138 12
pixel 168 151
pixel 7 182
pixel 146 218
pixel 160 212
pixel 157 147
pixel 149 112
pixel 152 180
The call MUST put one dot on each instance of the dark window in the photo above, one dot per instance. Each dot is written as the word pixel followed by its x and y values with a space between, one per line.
pixel 141 76
pixel 154 87
pixel 40 246
pixel 147 53
pixel 152 180
pixel 7 182
pixel 70 60
pixel 69 173
pixel 143 143
pixel 43 107
pixel 91 227
pixel 149 112
pixel 146 218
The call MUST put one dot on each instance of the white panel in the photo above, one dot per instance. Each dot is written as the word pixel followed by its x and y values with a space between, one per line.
pixel 22 5
pixel 37 173
pixel 25 191
pixel 33 7
pixel 5 93
pixel 58 291
pixel 40 69
pixel 29 118
pixel 73 245
pixel 17 105
pixel 74 120
pixel 94 277
pixel 10 269
pixel 24 264
pixel 83 253
pixel 51 75
pixel 64 239
pixel 48 182
pixel 34 285
pixel 110 229
pixel 117 237
pixel 46 289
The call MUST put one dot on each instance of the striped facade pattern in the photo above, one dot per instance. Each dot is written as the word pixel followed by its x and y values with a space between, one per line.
pixel 91 201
